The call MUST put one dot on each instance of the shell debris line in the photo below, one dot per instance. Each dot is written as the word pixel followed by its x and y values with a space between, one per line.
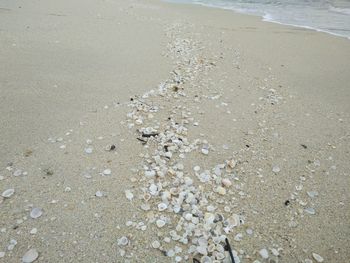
pixel 183 204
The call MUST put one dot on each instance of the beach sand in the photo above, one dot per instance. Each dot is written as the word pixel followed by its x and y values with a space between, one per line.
pixel 273 98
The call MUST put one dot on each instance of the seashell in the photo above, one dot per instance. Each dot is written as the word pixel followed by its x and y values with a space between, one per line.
pixel 196 168
pixel 123 241
pixel 8 193
pixel 232 221
pixel 206 259
pixel 310 210
pixel 174 191
pixel 276 169
pixel 129 195
pixel 220 190
pixel 205 151
pixel 312 194
pixel 202 250
pixel 150 173
pixel 209 218
pixel 107 171
pixel 162 206
pixel 211 248
pixel 317 257
pixel 155 244
pixel 17 172
pixel 231 163
pixel 99 194
pixel 145 207
pixel 170 253
pixel 153 189
pixel 30 256
pixel 220 256
pixel 36 212
pixel 146 197
pixel 264 253
pixel 226 182
pixel 88 150
pixel 160 223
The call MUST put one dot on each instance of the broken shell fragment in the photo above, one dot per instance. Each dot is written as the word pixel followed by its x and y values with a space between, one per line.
pixel 123 241
pixel 30 256
pixel 8 193
pixel 226 182
pixel 160 223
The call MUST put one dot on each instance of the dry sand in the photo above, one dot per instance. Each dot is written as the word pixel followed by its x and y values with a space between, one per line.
pixel 271 97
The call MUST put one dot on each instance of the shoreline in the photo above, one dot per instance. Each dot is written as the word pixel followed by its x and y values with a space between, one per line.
pixel 264 18
pixel 248 120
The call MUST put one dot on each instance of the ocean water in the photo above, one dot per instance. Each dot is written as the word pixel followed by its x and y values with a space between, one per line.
pixel 331 16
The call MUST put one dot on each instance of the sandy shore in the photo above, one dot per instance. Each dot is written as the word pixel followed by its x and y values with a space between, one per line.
pixel 104 102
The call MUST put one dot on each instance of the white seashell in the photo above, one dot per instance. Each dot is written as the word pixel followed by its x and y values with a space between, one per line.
pixel 99 194
pixel 233 220
pixel 209 218
pixel 88 150
pixel 206 259
pixel 155 244
pixel 2 254
pixel 226 182
pixel 312 194
pixel 205 151
pixel 8 193
pixel 107 171
pixel 310 210
pixel 123 241
pixel 153 189
pixel 129 195
pixel 196 168
pixel 30 256
pixel 150 173
pixel 178 259
pixel 276 169
pixel 146 197
pixel 160 223
pixel 145 207
pixel 220 190
pixel 33 231
pixel 67 189
pixel 36 212
pixel 317 257
pixel 202 250
pixel 170 253
pixel 162 206
pixel 17 172
pixel 220 256
pixel 264 253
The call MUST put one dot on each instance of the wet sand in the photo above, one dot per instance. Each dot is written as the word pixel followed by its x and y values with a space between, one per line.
pixel 274 99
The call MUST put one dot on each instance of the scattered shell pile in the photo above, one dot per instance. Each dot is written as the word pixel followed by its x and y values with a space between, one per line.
pixel 189 204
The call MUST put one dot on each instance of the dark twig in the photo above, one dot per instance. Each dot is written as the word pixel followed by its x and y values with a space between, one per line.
pixel 228 247
pixel 142 140
pixel 148 135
